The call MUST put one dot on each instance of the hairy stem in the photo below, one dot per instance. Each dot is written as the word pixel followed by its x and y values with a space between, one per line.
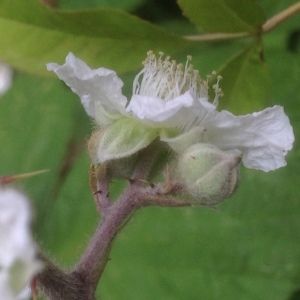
pixel 82 281
pixel 57 284
pixel 94 259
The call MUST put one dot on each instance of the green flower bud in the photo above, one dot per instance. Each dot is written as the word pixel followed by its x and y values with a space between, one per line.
pixel 209 174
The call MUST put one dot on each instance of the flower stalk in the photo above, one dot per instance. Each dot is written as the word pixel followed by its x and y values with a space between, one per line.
pixel 82 281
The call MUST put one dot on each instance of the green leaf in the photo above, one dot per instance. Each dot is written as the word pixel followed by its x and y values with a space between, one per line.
pixel 33 35
pixel 245 81
pixel 43 126
pixel 272 7
pixel 245 249
pixel 77 4
pixel 72 217
pixel 230 16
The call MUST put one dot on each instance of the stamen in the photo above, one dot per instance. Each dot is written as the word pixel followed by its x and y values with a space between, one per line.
pixel 166 79
pixel 218 91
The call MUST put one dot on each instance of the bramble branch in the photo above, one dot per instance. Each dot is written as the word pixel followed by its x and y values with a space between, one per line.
pixel 270 24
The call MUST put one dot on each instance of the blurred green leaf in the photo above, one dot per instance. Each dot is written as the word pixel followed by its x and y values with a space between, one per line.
pixel 78 4
pixel 224 15
pixel 43 126
pixel 272 7
pixel 73 218
pixel 245 81
pixel 36 119
pixel 33 35
pixel 195 253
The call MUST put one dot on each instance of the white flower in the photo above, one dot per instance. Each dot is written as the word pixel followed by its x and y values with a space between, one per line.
pixel 6 77
pixel 18 263
pixel 174 99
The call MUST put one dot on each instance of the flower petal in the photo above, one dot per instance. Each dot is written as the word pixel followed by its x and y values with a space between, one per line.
pixel 6 77
pixel 181 112
pixel 264 137
pixel 100 90
pixel 18 263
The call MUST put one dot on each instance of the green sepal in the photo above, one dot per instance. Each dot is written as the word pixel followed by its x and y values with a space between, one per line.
pixel 123 138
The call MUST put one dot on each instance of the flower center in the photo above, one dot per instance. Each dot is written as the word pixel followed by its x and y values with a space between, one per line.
pixel 166 79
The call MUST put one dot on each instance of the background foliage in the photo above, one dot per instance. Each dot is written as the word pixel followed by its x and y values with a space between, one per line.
pixel 248 248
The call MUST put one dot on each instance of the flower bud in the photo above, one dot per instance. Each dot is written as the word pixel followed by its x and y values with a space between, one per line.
pixel 209 174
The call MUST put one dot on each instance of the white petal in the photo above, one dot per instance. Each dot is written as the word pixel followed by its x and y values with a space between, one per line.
pixel 17 249
pixel 181 112
pixel 100 90
pixel 6 77
pixel 264 137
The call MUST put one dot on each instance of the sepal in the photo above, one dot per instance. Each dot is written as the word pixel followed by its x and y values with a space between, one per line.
pixel 123 138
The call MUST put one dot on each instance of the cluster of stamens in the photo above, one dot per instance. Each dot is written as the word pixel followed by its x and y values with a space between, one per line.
pixel 165 79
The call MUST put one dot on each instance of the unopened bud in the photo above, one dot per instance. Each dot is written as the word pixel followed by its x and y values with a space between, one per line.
pixel 209 174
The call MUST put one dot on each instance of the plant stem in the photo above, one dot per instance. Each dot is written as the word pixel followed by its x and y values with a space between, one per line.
pixel 82 281
pixel 94 259
pixel 59 285
pixel 281 17
pixel 270 24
